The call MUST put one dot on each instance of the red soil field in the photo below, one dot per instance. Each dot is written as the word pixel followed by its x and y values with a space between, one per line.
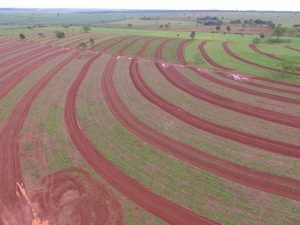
pixel 158 54
pixel 208 59
pixel 266 144
pixel 180 51
pixel 218 166
pixel 270 84
pixel 11 81
pixel 24 57
pixel 272 56
pixel 89 203
pixel 21 48
pixel 253 82
pixel 269 145
pixel 294 49
pixel 233 55
pixel 117 40
pixel 10 47
pixel 121 51
pixel 175 148
pixel 10 172
pixel 72 195
pixel 177 79
pixel 155 204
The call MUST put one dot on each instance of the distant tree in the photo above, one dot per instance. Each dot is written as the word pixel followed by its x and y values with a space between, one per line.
pixel 41 34
pixel 261 35
pixel 193 34
pixel 82 45
pixel 271 24
pixel 256 41
pixel 228 28
pixel 66 26
pixel 177 35
pixel 260 22
pixel 92 41
pixel 238 21
pixel 279 31
pixel 244 26
pixel 161 26
pixel 291 32
pixel 22 36
pixel 129 25
pixel 86 29
pixel 218 28
pixel 167 25
pixel 59 34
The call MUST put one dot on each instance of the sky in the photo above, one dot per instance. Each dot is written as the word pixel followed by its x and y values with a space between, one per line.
pixel 278 5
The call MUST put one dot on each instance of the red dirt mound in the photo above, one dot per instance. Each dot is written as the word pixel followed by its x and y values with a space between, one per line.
pixel 68 197
pixel 73 197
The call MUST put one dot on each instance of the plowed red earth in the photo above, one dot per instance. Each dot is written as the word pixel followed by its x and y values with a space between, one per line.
pixel 159 206
pixel 208 59
pixel 196 157
pixel 233 55
pixel 71 196
pixel 294 49
pixel 272 56
pixel 180 51
pixel 112 44
pixel 130 43
pixel 10 173
pixel 11 47
pixel 19 49
pixel 11 81
pixel 215 165
pixel 252 140
pixel 177 79
pixel 276 97
pixel 24 57
pixel 24 61
pixel 252 78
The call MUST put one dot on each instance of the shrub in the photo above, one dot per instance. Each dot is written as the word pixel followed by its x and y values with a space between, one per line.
pixel 82 45
pixel 59 34
pixel 287 66
pixel 256 40
pixel 86 29
pixel 22 36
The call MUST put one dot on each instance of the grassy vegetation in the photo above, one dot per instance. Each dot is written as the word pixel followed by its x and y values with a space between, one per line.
pixel 176 129
pixel 133 49
pixel 150 51
pixel 166 175
pixel 169 52
pixel 280 50
pixel 218 54
pixel 193 56
pixel 196 189
pixel 239 44
pixel 243 50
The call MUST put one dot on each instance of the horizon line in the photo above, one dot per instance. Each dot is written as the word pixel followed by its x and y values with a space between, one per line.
pixel 182 10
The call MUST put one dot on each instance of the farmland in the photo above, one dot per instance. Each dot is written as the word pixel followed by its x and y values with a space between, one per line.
pixel 142 125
